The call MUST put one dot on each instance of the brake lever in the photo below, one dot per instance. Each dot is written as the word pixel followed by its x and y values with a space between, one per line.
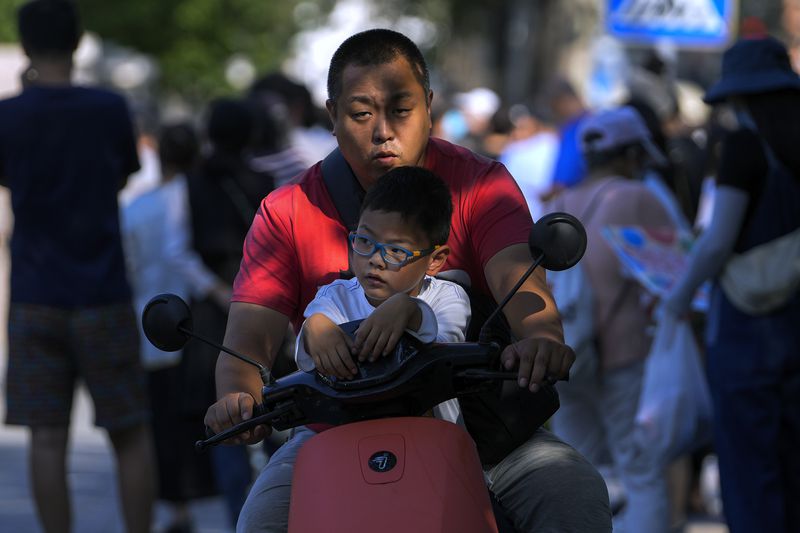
pixel 241 427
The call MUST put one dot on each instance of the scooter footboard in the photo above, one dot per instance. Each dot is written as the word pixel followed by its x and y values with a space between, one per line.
pixel 390 475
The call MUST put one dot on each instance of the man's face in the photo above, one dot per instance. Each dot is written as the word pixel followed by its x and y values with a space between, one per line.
pixel 382 118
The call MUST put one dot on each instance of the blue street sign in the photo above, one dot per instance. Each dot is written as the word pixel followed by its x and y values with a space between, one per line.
pixel 688 23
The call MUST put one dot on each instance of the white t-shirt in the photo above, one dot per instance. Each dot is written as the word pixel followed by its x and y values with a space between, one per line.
pixel 445 316
pixel 156 233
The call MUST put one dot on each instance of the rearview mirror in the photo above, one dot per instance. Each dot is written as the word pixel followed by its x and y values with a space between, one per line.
pixel 561 238
pixel 164 320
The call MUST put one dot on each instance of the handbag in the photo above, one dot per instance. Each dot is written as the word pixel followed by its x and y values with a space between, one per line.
pixel 765 277
pixel 674 412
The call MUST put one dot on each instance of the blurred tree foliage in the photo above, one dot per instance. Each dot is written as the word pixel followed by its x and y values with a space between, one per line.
pixel 8 20
pixel 192 40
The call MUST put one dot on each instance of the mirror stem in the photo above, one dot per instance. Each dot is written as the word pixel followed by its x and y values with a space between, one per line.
pixel 266 375
pixel 482 337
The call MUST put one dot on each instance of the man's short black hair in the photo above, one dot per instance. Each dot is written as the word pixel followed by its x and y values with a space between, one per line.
pixel 419 196
pixel 375 47
pixel 178 146
pixel 49 27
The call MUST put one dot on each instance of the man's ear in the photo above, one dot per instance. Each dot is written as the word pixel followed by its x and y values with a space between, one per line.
pixel 437 260
pixel 330 105
pixel 429 107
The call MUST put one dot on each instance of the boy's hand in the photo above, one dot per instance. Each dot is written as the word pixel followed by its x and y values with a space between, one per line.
pixel 329 347
pixel 378 334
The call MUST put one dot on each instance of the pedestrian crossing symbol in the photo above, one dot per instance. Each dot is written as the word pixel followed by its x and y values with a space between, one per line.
pixel 685 22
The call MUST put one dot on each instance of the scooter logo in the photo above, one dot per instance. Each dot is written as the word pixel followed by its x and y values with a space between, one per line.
pixel 382 461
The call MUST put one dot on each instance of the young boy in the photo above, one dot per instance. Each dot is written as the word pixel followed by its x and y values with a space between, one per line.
pixel 399 245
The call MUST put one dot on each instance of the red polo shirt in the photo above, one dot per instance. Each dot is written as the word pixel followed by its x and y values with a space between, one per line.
pixel 297 242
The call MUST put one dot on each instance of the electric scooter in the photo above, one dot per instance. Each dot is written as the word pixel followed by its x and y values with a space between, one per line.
pixel 384 466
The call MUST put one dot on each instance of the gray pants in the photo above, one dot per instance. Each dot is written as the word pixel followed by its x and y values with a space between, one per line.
pixel 544 485
pixel 597 418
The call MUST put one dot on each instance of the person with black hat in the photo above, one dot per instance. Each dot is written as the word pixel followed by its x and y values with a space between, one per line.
pixel 751 243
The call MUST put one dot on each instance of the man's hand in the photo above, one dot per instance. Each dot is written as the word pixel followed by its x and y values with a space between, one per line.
pixel 379 333
pixel 230 410
pixel 329 347
pixel 538 361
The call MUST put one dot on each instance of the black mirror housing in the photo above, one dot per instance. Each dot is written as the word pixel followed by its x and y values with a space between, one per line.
pixel 561 238
pixel 164 320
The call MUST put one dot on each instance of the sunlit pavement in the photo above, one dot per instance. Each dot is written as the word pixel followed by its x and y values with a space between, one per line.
pixel 92 482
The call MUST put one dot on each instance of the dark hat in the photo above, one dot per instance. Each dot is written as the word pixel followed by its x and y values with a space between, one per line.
pixel 753 66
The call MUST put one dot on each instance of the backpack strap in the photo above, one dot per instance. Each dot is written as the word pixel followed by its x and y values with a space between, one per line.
pixel 345 191
pixel 343 187
pixel 585 217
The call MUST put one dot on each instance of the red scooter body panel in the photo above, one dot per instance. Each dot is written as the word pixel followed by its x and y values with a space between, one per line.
pixel 390 475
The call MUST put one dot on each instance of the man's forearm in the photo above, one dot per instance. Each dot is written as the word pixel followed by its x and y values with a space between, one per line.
pixel 233 375
pixel 532 311
pixel 256 332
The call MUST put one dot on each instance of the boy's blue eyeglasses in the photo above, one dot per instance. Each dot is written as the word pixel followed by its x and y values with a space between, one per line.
pixel 391 253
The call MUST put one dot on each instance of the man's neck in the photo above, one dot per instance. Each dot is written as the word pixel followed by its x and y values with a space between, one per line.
pixel 50 71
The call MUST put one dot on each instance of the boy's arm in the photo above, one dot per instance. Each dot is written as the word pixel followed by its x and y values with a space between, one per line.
pixel 320 339
pixel 380 331
pixel 323 345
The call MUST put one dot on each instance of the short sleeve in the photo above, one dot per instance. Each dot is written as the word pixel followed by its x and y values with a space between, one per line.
pixel 498 216
pixel 269 274
pixel 428 328
pixel 128 153
pixel 451 307
pixel 743 163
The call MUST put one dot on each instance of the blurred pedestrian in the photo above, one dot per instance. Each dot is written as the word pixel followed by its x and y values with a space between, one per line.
pixel 65 151
pixel 753 348
pixel 477 106
pixel 307 126
pixel 280 146
pixel 157 236
pixel 224 194
pixel 568 111
pixel 531 159
pixel 598 408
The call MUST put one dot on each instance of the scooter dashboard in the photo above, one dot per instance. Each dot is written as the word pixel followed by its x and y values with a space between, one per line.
pixel 382 370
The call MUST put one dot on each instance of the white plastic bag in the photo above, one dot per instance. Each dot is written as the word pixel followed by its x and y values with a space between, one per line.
pixel 674 413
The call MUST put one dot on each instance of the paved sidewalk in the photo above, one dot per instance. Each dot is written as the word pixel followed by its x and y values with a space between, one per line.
pixel 92 482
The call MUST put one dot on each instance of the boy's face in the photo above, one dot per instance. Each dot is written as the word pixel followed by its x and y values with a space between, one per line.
pixel 381 279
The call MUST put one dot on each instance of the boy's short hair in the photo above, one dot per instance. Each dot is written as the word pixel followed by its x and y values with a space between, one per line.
pixel 419 196
pixel 178 146
pixel 375 47
pixel 49 27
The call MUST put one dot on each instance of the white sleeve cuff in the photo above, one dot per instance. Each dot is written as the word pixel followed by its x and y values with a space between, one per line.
pixel 301 356
pixel 428 328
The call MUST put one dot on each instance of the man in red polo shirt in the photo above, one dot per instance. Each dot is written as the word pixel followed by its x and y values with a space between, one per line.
pixel 379 101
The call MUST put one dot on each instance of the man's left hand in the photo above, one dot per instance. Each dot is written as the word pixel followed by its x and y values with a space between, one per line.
pixel 538 361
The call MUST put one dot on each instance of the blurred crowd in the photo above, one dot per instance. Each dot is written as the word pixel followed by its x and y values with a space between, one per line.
pixel 184 214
